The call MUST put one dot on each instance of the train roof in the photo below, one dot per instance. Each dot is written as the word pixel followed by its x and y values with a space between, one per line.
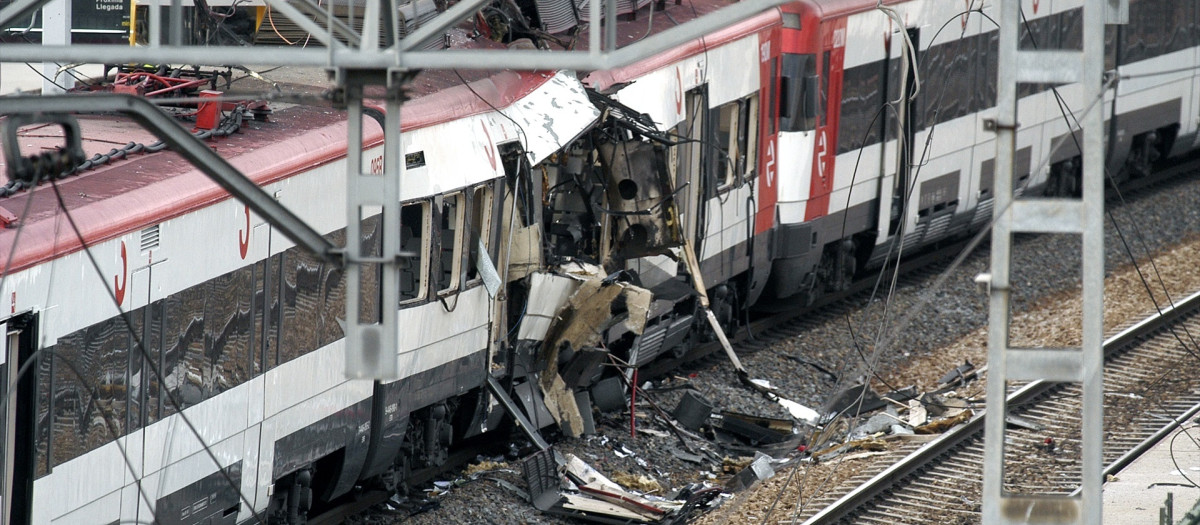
pixel 131 193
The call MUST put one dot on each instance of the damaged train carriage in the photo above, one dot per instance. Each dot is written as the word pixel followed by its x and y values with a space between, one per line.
pixel 639 213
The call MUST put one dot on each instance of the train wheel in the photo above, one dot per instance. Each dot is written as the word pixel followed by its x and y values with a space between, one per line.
pixel 1144 153
pixel 837 266
pixel 1065 179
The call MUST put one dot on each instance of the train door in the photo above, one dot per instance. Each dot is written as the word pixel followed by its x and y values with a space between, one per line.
pixel 833 51
pixel 906 120
pixel 689 162
pixel 16 419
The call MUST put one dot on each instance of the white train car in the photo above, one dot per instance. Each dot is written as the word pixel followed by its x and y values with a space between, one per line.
pixel 793 150
pixel 202 308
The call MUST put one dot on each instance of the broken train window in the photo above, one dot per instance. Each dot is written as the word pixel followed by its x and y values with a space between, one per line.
pixel 736 134
pixel 480 226
pixel 414 239
pixel 450 217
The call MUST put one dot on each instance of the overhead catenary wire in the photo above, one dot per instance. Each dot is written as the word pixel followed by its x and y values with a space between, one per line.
pixel 975 241
pixel 138 344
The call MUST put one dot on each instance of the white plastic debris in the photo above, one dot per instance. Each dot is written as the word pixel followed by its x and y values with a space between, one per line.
pixel 800 412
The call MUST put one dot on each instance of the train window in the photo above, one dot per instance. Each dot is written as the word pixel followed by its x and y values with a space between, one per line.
pixel 481 226
pixel 824 98
pixel 450 219
pixel 136 386
pixel 333 292
pixel 185 368
pixel 371 237
pixel 272 292
pixel 950 63
pixel 797 105
pixel 303 293
pixel 153 399
pixel 414 239
pixel 90 389
pixel 45 412
pixel 726 128
pixel 227 328
pixel 862 103
pixel 736 134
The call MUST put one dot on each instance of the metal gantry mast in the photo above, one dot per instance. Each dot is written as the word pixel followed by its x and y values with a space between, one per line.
pixel 1084 217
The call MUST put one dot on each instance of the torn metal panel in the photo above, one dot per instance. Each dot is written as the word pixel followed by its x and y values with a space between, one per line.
pixel 581 323
pixel 525 254
pixel 639 190
pixel 548 293
pixel 541 476
pixel 560 400
pixel 637 304
pixel 595 484
pixel 511 407
pixel 589 506
pixel 549 118
pixel 583 366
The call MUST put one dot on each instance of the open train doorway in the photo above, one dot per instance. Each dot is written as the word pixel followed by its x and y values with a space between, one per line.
pixel 18 423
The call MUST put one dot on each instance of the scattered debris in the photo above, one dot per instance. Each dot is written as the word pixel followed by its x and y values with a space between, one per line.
pixel 687 456
pixel 638 482
pixel 800 412
pixel 917 413
pixel 960 375
pixel 869 444
pixel 608 394
pixel 1020 422
pixel 486 465
pixel 876 424
pixel 759 469
pixel 1048 446
pixel 944 424
pixel 754 429
pixel 856 399
pixel 692 411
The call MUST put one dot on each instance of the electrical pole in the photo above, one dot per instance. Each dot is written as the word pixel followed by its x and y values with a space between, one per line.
pixel 1084 217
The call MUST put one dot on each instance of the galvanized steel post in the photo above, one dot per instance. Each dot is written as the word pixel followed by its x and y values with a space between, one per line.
pixel 1084 217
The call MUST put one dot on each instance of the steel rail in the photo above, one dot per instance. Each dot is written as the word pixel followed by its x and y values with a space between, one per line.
pixel 921 458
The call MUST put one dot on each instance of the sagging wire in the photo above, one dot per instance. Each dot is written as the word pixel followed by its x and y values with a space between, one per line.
pixel 38 352
pixel 881 341
pixel 1069 116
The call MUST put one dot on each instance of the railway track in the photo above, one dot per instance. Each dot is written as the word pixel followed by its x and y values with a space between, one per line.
pixel 940 482
pixel 762 332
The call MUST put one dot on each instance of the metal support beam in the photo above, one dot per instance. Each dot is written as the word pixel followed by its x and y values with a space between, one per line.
pixel 372 345
pixel 512 408
pixel 1084 218
pixel 189 147
pixel 340 56
pixel 56 30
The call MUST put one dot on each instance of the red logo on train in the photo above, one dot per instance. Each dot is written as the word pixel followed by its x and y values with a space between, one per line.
pixel 488 148
pixel 244 243
pixel 119 288
pixel 678 91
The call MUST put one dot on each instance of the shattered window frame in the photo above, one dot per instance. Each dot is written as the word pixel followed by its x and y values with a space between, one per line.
pixel 736 134
pixel 480 225
pixel 452 283
pixel 420 250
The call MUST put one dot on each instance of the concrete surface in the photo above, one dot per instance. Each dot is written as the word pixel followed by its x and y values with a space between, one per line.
pixel 1139 490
